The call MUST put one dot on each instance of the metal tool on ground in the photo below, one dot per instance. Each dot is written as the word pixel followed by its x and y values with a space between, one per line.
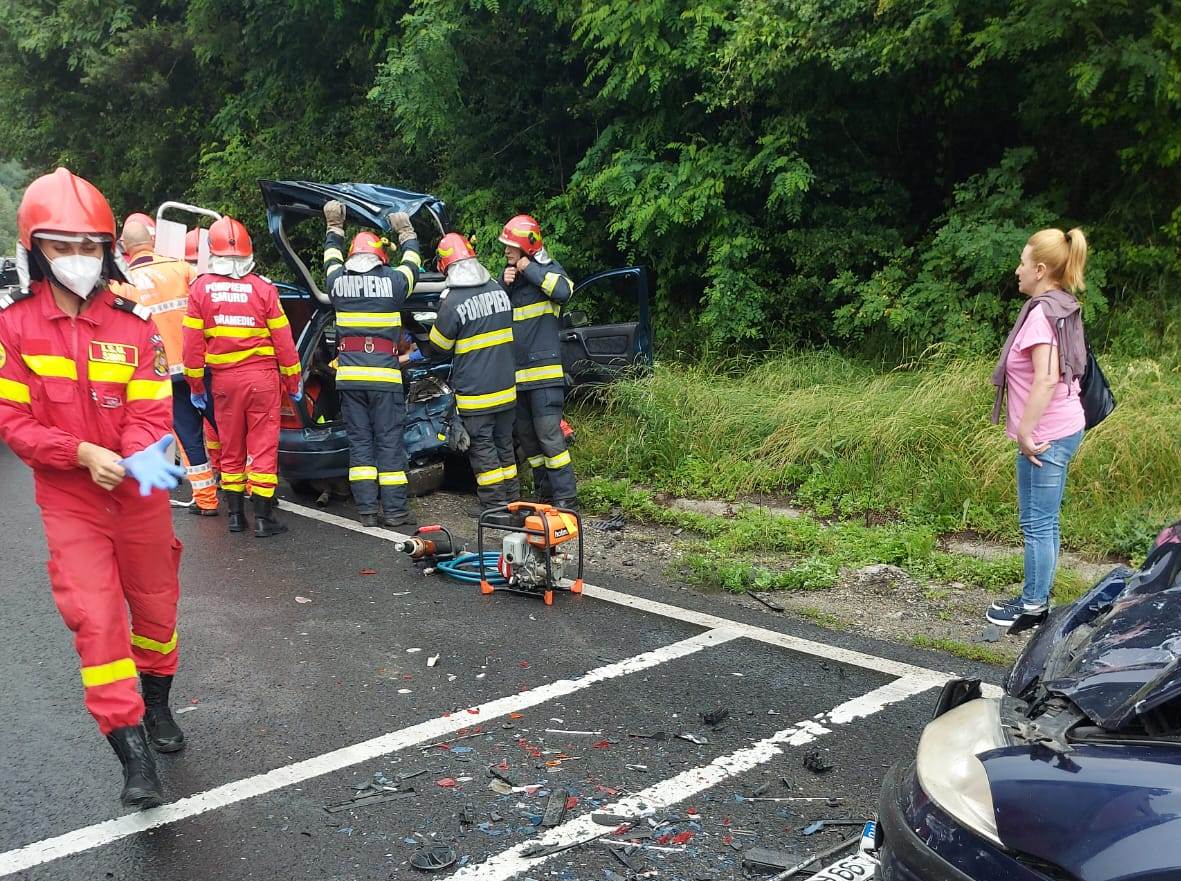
pixel 429 546
pixel 819 825
pixel 531 559
pixel 829 801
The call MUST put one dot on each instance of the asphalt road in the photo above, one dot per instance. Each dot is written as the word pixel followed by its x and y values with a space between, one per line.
pixel 302 678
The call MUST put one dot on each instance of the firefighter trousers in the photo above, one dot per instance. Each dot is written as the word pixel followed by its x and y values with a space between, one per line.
pixel 111 553
pixel 493 458
pixel 377 450
pixel 539 431
pixel 188 426
pixel 246 400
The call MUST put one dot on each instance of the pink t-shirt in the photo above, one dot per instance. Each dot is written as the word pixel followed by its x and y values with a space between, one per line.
pixel 1064 414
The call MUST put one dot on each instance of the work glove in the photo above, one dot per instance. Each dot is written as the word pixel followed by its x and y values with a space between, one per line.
pixel 295 391
pixel 153 467
pixel 399 222
pixel 334 215
pixel 200 400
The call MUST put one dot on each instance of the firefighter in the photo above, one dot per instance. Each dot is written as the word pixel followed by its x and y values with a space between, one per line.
pixel 136 217
pixel 475 328
pixel 368 295
pixel 538 287
pixel 212 444
pixel 236 328
pixel 84 401
pixel 162 287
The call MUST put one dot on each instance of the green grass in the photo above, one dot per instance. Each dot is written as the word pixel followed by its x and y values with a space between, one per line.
pixel 856 444
pixel 981 653
pixel 818 616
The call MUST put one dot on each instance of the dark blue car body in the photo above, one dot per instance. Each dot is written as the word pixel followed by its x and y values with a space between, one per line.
pixel 1088 784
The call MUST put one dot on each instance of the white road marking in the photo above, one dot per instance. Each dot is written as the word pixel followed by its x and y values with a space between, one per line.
pixel 100 834
pixel 510 863
pixel 760 634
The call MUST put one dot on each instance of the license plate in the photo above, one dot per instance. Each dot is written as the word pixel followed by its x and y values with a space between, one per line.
pixel 856 867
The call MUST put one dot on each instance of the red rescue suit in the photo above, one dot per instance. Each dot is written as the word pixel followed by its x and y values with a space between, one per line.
pixel 236 327
pixel 102 378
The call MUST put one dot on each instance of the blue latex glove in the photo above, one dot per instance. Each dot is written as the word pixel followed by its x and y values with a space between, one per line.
pixel 200 401
pixel 153 467
pixel 297 395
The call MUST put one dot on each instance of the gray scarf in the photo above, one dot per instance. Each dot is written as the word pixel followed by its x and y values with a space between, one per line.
pixel 1065 314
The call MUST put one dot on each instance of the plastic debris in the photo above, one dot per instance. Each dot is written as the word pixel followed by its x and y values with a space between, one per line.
pixel 368 572
pixel 766 858
pixel 816 762
pixel 302 600
pixel 819 825
pixel 432 660
pixel 435 858
pixel 555 808
pixel 447 782
pixel 693 738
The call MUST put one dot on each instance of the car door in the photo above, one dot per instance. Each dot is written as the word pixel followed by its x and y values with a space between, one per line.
pixel 597 353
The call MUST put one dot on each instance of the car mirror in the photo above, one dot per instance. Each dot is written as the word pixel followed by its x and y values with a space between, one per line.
pixel 576 318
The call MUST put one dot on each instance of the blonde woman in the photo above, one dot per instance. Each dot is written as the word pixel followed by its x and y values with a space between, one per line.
pixel 1039 372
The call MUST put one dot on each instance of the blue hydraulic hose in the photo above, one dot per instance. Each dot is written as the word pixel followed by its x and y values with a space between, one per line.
pixel 466 568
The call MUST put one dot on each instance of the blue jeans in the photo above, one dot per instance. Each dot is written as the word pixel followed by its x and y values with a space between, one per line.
pixel 1039 500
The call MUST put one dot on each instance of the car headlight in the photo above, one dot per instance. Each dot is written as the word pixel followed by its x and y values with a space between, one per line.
pixel 948 768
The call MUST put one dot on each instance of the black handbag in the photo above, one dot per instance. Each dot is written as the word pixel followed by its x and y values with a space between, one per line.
pixel 1095 393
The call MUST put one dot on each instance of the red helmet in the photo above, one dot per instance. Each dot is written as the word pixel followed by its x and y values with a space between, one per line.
pixel 192 245
pixel 229 238
pixel 522 232
pixel 63 202
pixel 369 243
pixel 139 217
pixel 452 248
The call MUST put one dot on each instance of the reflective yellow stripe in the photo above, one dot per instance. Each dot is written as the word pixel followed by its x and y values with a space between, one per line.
pixel 262 477
pixel 11 390
pixel 551 281
pixel 492 399
pixel 149 390
pixel 213 445
pixel 333 254
pixel 392 478
pixel 51 365
pixel 102 371
pixel 363 472
pixel 536 374
pixel 368 319
pixel 559 461
pixel 264 492
pixel 233 482
pixel 105 674
pixel 536 310
pixel 510 472
pixel 347 372
pixel 484 340
pixel 413 257
pixel 289 370
pixel 490 478
pixel 238 332
pixel 235 357
pixel 408 272
pixel 193 322
pixel 163 648
pixel 439 340
pixel 195 372
pixel 276 323
pixel 536 461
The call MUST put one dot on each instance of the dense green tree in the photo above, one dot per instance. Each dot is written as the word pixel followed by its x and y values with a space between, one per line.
pixel 794 171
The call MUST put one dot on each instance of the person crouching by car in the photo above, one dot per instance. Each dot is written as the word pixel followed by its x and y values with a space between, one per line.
pixel 1039 370
pixel 475 328
pixel 368 295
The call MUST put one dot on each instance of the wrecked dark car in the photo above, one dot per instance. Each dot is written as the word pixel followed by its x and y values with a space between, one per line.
pixel 313 445
pixel 1075 771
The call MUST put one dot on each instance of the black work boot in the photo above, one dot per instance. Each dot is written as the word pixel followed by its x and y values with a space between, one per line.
pixel 236 508
pixel 266 523
pixel 371 520
pixel 141 784
pixel 399 518
pixel 163 732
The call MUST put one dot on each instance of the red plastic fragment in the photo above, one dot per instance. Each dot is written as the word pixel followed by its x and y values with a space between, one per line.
pixel 447 783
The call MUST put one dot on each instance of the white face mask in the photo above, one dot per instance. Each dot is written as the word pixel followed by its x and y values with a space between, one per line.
pixel 234 267
pixel 79 273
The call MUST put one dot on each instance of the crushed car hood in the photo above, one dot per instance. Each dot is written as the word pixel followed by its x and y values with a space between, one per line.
pixel 290 201
pixel 1116 653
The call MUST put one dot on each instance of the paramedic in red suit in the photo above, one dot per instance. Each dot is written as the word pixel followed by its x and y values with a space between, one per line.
pixel 236 327
pixel 86 401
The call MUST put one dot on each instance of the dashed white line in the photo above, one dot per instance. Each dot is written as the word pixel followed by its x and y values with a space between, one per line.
pixel 100 834
pixel 512 862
